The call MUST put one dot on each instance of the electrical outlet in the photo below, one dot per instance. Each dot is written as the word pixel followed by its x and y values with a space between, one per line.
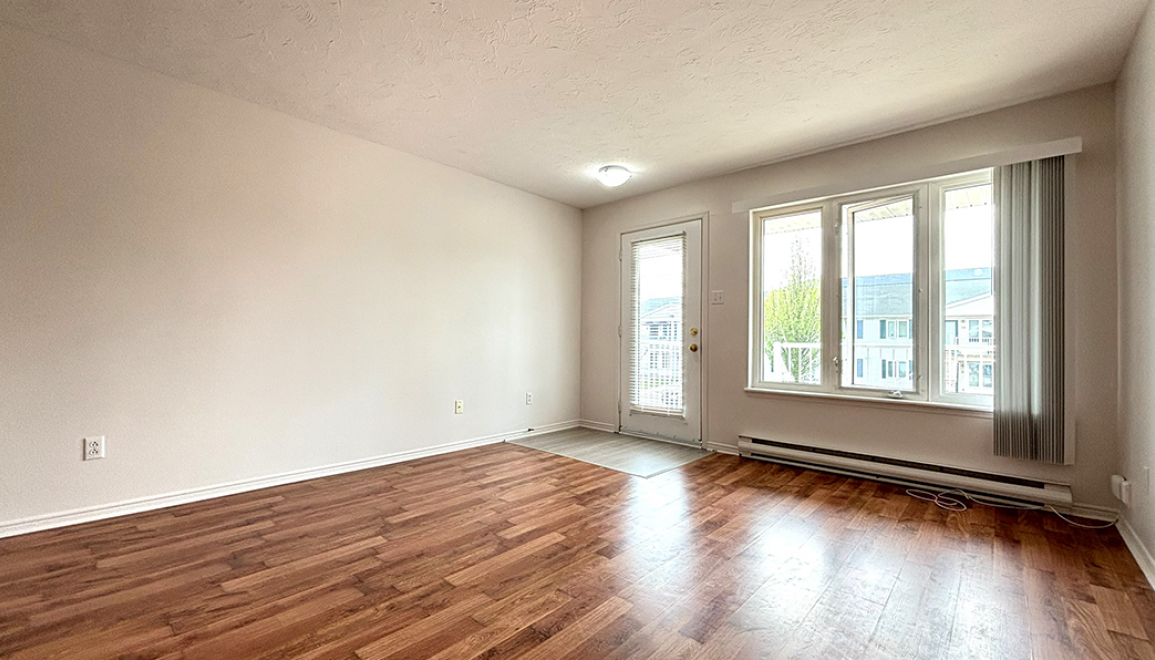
pixel 458 407
pixel 93 447
pixel 717 297
pixel 1121 489
pixel 529 398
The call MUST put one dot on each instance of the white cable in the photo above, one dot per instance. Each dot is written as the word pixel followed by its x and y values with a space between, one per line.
pixel 956 500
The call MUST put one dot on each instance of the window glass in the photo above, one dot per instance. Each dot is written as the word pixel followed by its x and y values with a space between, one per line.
pixel 967 249
pixel 792 298
pixel 878 261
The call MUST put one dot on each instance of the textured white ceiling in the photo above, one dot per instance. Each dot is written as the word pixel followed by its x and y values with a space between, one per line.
pixel 538 93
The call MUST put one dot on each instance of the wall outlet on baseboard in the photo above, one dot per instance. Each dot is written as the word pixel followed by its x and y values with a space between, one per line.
pixel 529 398
pixel 458 407
pixel 1121 489
pixel 93 447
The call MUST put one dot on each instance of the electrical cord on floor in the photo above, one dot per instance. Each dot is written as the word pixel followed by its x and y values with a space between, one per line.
pixel 956 500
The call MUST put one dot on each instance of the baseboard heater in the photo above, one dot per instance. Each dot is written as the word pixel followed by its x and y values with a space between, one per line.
pixel 905 473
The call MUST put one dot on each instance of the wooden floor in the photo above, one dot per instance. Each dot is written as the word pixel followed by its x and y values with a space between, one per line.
pixel 507 552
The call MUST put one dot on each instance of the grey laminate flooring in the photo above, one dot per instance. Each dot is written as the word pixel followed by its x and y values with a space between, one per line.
pixel 637 456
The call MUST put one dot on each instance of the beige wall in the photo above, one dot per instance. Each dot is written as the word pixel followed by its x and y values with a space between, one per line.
pixel 1137 275
pixel 227 293
pixel 935 437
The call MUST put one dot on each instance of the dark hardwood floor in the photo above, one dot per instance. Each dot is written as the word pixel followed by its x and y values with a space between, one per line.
pixel 506 552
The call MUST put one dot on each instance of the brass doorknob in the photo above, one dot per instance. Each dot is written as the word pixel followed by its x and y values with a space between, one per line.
pixel 693 348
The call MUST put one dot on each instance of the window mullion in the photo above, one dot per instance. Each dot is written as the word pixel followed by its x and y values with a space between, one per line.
pixel 831 307
pixel 922 315
pixel 935 349
pixel 847 247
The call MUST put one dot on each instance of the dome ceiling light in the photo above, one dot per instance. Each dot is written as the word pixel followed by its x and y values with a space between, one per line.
pixel 614 175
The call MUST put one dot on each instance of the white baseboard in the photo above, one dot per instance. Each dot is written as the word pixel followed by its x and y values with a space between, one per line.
pixel 598 426
pixel 1092 511
pixel 153 502
pixel 722 448
pixel 1138 550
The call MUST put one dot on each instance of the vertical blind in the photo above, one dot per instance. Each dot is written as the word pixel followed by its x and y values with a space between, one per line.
pixel 1028 283
pixel 657 370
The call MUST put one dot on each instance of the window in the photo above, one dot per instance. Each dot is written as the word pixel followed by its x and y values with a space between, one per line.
pixel 877 258
pixel 790 352
pixel 913 261
pixel 964 298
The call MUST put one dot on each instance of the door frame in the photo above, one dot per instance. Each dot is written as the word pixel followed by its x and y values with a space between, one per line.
pixel 704 322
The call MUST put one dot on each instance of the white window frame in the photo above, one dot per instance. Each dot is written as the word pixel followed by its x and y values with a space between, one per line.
pixel 927 321
pixel 757 310
pixel 838 206
pixel 938 189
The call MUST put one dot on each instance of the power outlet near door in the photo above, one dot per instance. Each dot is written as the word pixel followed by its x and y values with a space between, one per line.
pixel 458 407
pixel 529 398
pixel 94 447
pixel 1121 489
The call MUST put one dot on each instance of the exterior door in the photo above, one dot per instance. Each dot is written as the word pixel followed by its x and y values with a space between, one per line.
pixel 661 338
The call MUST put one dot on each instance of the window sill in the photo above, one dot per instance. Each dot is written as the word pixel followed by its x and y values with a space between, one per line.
pixel 875 402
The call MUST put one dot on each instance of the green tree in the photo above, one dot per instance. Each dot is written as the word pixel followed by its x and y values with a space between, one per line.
pixel 793 315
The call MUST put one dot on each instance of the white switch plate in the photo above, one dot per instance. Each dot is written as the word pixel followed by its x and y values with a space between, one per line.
pixel 458 407
pixel 529 398
pixel 717 297
pixel 94 447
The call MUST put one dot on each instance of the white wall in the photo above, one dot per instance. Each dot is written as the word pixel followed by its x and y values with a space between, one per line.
pixel 951 439
pixel 1136 106
pixel 226 292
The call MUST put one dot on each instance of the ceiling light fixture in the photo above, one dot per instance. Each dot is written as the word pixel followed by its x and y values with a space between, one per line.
pixel 614 175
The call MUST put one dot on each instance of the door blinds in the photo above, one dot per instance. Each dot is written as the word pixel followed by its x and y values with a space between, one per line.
pixel 657 289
